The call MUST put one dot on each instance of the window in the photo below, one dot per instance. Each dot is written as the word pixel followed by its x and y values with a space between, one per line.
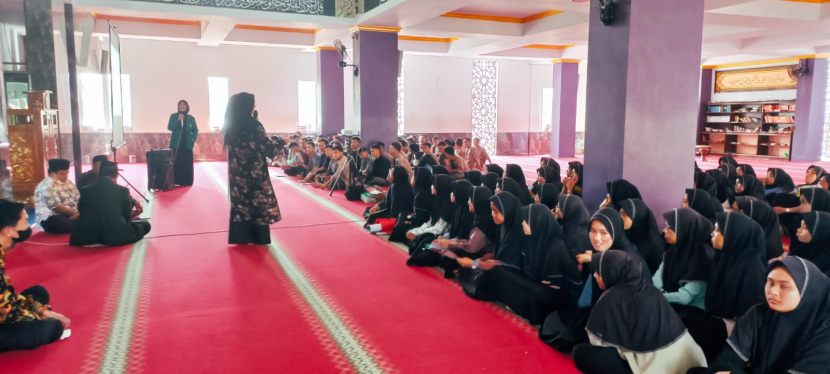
pixel 307 106
pixel 547 109
pixel 92 101
pixel 218 101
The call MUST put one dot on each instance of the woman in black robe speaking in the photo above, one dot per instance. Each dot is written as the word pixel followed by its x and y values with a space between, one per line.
pixel 253 203
pixel 185 131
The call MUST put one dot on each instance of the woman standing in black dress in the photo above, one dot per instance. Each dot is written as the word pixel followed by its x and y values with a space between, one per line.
pixel 253 204
pixel 184 129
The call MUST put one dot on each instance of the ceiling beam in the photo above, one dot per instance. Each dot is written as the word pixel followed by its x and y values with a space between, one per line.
pixel 215 32
pixel 408 13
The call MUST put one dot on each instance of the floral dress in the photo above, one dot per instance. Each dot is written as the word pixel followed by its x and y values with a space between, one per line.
pixel 14 307
pixel 252 195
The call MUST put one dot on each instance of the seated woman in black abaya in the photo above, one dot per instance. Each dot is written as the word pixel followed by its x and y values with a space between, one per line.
pixel 514 188
pixel 814 240
pixel 399 199
pixel 618 191
pixel 786 333
pixel 641 230
pixel 461 223
pixel 482 237
pixel 547 195
pixel 572 184
pixel 421 207
pixel 440 216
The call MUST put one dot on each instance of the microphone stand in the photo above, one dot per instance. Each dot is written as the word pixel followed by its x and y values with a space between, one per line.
pixel 114 159
pixel 336 177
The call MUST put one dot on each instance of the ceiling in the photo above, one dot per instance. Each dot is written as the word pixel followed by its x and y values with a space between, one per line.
pixel 536 30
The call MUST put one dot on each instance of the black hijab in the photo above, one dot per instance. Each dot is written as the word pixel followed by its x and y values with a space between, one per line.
pixel 442 207
pixel 462 222
pixel 818 198
pixel 687 259
pixel 736 277
pixel 401 196
pixel 550 175
pixel 186 104
pixel 819 173
pixel 729 160
pixel 480 196
pixel 546 255
pixel 644 233
pixel 731 173
pixel 548 195
pixel 574 223
pixel 707 183
pixel 474 177
pixel 747 169
pixel 781 179
pixel 549 161
pixel 511 233
pixel 515 173
pixel 238 118
pixel 700 201
pixel 797 341
pixel 438 169
pixel 631 314
pixel 424 200
pixel 490 181
pixel 493 168
pixel 620 190
pixel 613 222
pixel 723 186
pixel 511 186
pixel 817 250
pixel 763 214
pixel 752 187
pixel 577 167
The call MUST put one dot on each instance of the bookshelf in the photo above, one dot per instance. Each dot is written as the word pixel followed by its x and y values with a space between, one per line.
pixel 749 128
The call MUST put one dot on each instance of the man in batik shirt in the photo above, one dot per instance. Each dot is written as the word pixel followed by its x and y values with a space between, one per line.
pixel 56 199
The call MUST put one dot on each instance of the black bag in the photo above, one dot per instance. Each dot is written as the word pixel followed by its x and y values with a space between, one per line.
pixel 160 169
pixel 353 193
pixel 565 329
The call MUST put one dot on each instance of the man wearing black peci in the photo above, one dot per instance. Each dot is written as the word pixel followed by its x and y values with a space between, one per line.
pixel 107 212
pixel 91 177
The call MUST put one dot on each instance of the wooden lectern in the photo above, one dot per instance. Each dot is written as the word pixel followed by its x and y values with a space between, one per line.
pixel 33 141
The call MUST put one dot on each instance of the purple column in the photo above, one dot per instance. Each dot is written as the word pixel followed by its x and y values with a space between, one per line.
pixel 376 88
pixel 563 126
pixel 642 99
pixel 705 97
pixel 810 102
pixel 330 103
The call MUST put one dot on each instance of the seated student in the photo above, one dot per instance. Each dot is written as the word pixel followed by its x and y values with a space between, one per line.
pixel 746 169
pixel 483 235
pixel 722 183
pixel 365 162
pixel 297 161
pixel 460 227
pixel 442 157
pixel 619 190
pixel 788 333
pixel 440 216
pixel 572 184
pixel 641 230
pixel 435 141
pixel 27 321
pixel 490 180
pixel 322 159
pixel 702 203
pixel 548 196
pixel 460 151
pixel 106 213
pixel 56 199
pixel 386 154
pixel 684 270
pixel 495 168
pixel 814 237
pixel 735 283
pixel 516 173
pixel 340 171
pixel 399 199
pixel 747 185
pixel 574 219
pixel 395 149
pixel 90 177
pixel 778 181
pixel 706 182
pixel 473 158
pixel 380 168
pixel 474 177
pixel 413 154
pixel 633 328
pixel 425 157
pixel 546 175
pixel 811 199
pixel 483 156
pixel 763 214
pixel 421 206
pixel 456 165
pixel 354 151
pixel 515 189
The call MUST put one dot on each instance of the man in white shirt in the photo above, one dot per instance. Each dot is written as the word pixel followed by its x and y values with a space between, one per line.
pixel 56 199
pixel 456 165
pixel 400 158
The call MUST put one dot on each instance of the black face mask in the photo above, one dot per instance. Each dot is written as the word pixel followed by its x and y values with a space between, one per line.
pixel 23 235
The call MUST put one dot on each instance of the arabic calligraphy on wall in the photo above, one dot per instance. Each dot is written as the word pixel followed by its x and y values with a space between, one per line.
pixel 759 79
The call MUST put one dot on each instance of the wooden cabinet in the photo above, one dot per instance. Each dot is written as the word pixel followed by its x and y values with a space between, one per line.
pixel 33 140
pixel 751 128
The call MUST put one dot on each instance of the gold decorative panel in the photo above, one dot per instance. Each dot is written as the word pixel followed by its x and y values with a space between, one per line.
pixel 760 79
pixel 22 157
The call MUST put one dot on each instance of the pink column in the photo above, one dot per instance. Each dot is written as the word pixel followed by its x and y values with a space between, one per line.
pixel 330 95
pixel 563 126
pixel 376 87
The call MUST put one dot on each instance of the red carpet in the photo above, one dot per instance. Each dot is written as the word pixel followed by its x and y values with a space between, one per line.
pixel 84 285
pixel 415 319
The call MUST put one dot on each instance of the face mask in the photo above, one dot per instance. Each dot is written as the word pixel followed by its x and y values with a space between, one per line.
pixel 23 235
